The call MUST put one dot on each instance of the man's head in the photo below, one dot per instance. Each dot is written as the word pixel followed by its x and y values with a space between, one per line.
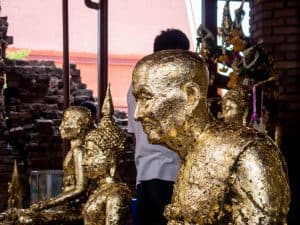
pixel 171 39
pixel 170 87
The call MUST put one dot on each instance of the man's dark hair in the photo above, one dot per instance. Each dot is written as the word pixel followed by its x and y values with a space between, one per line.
pixel 171 39
pixel 91 106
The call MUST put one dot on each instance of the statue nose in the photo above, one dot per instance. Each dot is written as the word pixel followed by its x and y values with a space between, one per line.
pixel 138 113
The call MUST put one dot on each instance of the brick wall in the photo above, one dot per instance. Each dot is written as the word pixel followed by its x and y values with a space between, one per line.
pixel 7 155
pixel 278 24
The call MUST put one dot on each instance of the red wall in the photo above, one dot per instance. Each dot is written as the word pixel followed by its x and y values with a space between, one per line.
pixel 37 25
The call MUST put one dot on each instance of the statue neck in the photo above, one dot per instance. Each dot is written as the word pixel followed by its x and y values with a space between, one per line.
pixel 80 138
pixel 77 142
pixel 111 176
pixel 186 138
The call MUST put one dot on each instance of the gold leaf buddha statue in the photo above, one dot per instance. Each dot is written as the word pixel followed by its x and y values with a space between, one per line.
pixel 66 207
pixel 235 107
pixel 109 203
pixel 229 174
pixel 15 190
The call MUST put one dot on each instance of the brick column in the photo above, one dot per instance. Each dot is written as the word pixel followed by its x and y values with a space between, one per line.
pixel 6 155
pixel 277 23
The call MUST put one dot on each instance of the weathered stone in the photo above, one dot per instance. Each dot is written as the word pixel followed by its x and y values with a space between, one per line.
pixel 44 126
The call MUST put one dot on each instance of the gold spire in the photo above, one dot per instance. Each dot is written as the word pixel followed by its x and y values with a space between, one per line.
pixel 15 190
pixel 226 22
pixel 107 107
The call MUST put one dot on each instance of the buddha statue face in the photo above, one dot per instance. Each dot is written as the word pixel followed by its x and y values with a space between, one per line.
pixel 97 158
pixel 160 103
pixel 95 163
pixel 157 106
pixel 230 109
pixel 74 121
pixel 234 107
pixel 165 92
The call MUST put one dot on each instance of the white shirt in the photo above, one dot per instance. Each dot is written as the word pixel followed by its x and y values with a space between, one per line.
pixel 151 161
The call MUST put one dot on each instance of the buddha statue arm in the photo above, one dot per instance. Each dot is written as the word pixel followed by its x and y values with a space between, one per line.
pixel 260 187
pixel 116 210
pixel 68 180
pixel 80 184
pixel 172 211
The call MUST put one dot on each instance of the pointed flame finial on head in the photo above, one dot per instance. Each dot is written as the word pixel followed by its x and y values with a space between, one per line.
pixel 15 190
pixel 15 175
pixel 107 107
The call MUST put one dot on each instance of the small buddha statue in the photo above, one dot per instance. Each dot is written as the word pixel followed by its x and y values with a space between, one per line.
pixel 109 203
pixel 65 207
pixel 235 107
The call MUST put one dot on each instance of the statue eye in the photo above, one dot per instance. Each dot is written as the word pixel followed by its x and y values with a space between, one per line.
pixel 228 108
pixel 145 96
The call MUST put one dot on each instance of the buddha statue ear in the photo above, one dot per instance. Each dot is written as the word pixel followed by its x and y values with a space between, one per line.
pixel 112 170
pixel 193 96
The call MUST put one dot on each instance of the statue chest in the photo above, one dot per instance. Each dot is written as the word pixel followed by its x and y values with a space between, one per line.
pixel 95 208
pixel 69 174
pixel 203 182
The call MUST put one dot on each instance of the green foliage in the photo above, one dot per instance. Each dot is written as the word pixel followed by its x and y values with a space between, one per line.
pixel 17 54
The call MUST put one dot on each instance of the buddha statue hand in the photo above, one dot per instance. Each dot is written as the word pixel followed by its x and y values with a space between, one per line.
pixel 39 206
pixel 25 219
pixel 2 217
pixel 9 216
pixel 172 212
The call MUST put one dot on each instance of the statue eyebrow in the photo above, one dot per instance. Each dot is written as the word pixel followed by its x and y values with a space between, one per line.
pixel 144 90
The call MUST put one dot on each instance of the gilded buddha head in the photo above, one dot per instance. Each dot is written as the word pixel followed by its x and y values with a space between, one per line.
pixel 105 145
pixel 235 107
pixel 169 86
pixel 75 122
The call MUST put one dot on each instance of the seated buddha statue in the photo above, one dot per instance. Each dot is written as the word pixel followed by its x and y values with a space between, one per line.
pixel 65 207
pixel 105 146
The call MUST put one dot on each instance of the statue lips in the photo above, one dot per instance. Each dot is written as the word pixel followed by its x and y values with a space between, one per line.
pixel 148 125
